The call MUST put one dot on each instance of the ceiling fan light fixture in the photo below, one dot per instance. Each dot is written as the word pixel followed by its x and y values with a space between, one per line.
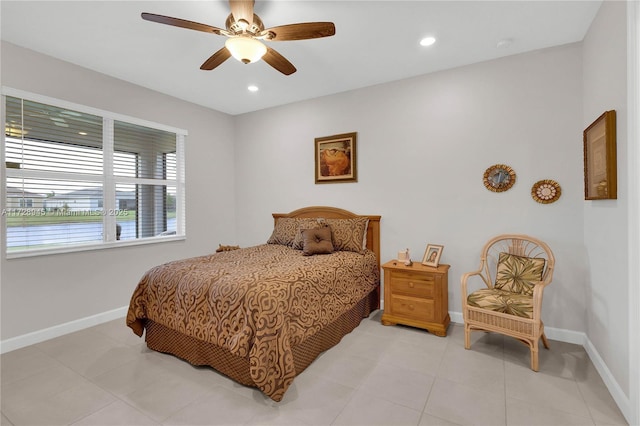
pixel 245 32
pixel 245 49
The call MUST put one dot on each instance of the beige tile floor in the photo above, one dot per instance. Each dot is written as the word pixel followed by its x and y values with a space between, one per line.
pixel 377 375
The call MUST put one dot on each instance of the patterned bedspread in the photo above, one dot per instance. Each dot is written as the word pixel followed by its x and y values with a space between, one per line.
pixel 257 302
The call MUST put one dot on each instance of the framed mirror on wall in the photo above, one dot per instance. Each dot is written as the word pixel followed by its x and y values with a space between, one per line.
pixel 499 178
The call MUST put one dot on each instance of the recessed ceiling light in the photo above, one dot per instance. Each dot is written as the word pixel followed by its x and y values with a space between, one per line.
pixel 504 43
pixel 253 88
pixel 427 41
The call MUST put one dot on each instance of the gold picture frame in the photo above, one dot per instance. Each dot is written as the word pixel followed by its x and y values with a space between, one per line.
pixel 432 255
pixel 335 158
pixel 600 168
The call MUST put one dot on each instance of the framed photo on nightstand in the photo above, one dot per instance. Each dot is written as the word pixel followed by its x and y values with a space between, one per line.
pixel 432 255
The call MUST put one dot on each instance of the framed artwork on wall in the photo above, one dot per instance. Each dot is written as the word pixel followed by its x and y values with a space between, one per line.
pixel 335 158
pixel 600 169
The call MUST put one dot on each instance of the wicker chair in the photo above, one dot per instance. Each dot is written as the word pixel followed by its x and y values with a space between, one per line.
pixel 515 269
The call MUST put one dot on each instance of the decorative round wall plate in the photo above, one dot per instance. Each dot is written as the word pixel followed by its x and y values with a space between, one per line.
pixel 499 178
pixel 546 191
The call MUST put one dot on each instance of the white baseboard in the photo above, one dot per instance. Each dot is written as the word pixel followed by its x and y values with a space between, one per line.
pixel 623 401
pixel 18 342
pixel 568 336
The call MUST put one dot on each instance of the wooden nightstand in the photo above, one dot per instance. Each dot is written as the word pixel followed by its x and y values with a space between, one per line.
pixel 416 295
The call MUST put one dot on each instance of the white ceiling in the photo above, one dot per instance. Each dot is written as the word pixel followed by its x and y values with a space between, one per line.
pixel 375 42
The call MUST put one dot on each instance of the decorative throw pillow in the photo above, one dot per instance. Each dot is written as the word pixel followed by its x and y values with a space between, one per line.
pixel 305 223
pixel 284 231
pixel 317 241
pixel 517 274
pixel 349 234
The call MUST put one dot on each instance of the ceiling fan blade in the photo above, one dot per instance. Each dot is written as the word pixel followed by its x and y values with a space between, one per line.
pixel 242 10
pixel 183 23
pixel 278 61
pixel 216 59
pixel 302 31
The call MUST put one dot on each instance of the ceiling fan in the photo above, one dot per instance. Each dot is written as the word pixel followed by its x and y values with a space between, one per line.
pixel 245 32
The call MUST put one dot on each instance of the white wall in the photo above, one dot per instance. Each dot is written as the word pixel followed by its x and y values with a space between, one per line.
pixel 41 292
pixel 606 221
pixel 423 146
pixel 633 152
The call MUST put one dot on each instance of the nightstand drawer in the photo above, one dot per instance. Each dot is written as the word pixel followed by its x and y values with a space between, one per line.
pixel 412 284
pixel 412 308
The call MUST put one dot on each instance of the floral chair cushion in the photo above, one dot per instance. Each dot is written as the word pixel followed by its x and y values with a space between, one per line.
pixel 520 305
pixel 518 274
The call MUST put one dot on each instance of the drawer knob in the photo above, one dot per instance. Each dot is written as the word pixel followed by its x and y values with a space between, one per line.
pixel 411 285
pixel 411 307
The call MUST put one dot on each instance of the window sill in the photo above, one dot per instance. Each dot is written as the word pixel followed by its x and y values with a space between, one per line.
pixel 92 247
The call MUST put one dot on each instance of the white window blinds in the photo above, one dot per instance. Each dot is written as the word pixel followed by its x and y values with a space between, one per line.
pixel 76 178
pixel 145 179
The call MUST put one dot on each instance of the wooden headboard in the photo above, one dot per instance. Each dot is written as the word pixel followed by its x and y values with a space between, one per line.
pixel 373 229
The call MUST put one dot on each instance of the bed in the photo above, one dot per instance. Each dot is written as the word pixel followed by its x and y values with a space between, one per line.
pixel 262 314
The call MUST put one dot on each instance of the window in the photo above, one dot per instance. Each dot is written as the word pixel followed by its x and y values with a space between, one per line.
pixel 78 178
